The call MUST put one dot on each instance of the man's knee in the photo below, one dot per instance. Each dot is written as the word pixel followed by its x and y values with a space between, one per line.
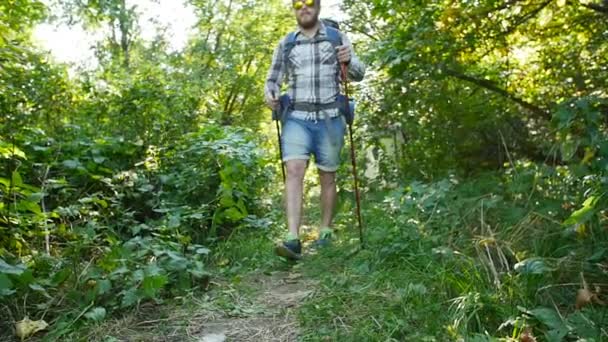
pixel 327 178
pixel 296 168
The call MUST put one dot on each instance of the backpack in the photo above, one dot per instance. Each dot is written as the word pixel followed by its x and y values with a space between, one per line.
pixel 333 36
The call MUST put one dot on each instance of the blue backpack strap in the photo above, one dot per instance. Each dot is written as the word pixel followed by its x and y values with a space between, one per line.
pixel 290 42
pixel 333 36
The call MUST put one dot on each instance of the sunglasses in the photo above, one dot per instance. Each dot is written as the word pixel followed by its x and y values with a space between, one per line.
pixel 300 3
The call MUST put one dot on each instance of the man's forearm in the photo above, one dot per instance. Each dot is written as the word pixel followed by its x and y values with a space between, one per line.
pixel 356 69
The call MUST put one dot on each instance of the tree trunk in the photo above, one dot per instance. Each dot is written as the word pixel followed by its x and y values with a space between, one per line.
pixel 124 32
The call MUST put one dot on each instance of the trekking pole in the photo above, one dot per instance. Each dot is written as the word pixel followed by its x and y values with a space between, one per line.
pixel 275 117
pixel 280 150
pixel 352 156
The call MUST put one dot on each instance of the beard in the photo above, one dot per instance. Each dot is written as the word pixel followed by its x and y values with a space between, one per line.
pixel 310 21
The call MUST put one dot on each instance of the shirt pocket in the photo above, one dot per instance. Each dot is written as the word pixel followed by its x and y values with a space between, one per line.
pixel 327 53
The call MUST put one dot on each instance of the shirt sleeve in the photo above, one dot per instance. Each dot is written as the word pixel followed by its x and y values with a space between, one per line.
pixel 276 73
pixel 356 69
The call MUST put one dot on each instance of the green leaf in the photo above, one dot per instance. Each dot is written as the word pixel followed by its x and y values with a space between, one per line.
pixel 130 297
pixel 152 285
pixel 557 335
pixel 61 276
pixel 138 275
pixel 96 314
pixel 417 289
pixel 152 270
pixel 99 159
pixel 10 152
pixel 184 282
pixel 6 285
pixel 29 206
pixel 226 199
pixel 177 262
pixel 569 149
pixel 103 286
pixel 10 269
pixel 564 116
pixel 6 293
pixel 196 216
pixel 584 326
pixel 202 250
pixel 37 287
pixel 549 317
pixel 532 266
pixel 40 148
pixel 598 256
pixel 71 164
pixel 177 265
pixel 174 221
pixel 234 214
pixel 198 270
pixel 26 278
pixel 16 178
pixel 583 214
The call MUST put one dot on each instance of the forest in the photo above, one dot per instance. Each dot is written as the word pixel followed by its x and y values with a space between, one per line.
pixel 140 199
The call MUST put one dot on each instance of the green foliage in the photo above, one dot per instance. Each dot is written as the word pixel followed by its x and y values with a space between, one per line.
pixel 125 222
pixel 113 181
pixel 119 185
pixel 18 15
pixel 470 254
pixel 234 50
pixel 472 85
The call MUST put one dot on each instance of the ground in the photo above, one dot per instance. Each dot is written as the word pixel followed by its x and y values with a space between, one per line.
pixel 257 302
pixel 256 307
pixel 279 295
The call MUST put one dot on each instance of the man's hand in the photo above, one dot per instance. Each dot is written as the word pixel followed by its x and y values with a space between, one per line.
pixel 343 52
pixel 272 101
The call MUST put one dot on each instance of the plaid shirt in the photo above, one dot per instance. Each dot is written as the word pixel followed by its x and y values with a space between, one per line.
pixel 311 71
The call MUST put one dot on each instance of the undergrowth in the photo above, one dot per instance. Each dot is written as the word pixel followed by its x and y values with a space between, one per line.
pixel 477 260
pixel 87 235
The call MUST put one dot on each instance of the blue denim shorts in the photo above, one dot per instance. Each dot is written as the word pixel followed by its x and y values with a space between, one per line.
pixel 321 138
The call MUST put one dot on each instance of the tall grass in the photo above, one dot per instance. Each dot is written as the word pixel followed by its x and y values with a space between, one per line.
pixel 481 260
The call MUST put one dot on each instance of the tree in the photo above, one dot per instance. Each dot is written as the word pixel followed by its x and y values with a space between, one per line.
pixel 474 82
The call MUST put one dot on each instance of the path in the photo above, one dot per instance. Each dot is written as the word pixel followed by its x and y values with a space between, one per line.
pixel 278 295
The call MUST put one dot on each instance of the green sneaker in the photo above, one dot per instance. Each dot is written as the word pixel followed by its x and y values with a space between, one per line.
pixel 325 237
pixel 290 249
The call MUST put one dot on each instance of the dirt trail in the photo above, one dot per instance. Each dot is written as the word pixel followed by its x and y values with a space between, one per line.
pixel 278 296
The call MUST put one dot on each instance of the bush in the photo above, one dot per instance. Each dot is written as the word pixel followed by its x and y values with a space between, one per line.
pixel 125 222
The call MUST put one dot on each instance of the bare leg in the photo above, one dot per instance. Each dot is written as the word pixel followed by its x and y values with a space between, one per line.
pixel 293 193
pixel 328 197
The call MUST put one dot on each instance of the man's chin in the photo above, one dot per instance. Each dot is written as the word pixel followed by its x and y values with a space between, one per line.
pixel 308 23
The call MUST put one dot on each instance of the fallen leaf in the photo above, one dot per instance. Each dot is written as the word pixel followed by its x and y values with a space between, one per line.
pixel 527 336
pixel 27 327
pixel 583 297
pixel 294 276
pixel 223 262
pixel 596 296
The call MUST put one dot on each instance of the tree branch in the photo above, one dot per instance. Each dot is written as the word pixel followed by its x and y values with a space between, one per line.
pixel 489 85
pixel 597 8
pixel 523 19
pixel 352 28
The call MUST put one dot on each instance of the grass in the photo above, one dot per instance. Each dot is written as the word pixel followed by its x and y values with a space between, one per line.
pixel 472 261
pixel 445 261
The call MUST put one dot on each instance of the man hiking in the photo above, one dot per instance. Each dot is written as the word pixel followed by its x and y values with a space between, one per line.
pixel 308 60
